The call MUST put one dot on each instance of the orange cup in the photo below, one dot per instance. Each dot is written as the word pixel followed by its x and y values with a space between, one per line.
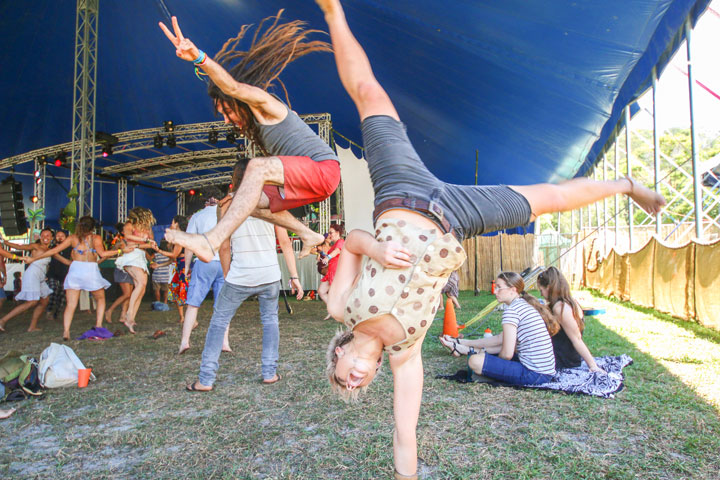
pixel 83 377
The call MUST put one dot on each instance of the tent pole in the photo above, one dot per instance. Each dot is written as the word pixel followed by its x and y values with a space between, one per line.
pixel 475 247
pixel 656 148
pixel 693 136
pixel 629 172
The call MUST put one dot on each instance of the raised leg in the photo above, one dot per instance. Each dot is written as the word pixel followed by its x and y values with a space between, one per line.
pixel 354 67
pixel 140 282
pixel 578 192
pixel 126 291
pixel 285 219
pixel 37 312
pixel 189 324
pixel 260 171
pixel 16 311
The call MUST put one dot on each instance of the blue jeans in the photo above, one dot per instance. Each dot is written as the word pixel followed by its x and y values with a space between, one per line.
pixel 204 277
pixel 228 300
pixel 512 371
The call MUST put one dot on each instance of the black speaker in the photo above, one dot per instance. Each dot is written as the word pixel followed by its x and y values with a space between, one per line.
pixel 12 210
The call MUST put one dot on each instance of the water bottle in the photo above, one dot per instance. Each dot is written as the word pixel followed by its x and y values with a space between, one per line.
pixel 488 333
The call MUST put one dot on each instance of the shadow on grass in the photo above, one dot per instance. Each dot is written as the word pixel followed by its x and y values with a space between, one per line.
pixel 139 422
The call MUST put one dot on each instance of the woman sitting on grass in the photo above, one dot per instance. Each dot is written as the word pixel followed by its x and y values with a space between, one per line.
pixel 567 342
pixel 523 353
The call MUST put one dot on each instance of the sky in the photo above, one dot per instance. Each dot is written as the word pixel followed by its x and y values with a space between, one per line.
pixel 672 95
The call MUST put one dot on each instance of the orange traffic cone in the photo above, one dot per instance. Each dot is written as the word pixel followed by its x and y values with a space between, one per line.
pixel 450 326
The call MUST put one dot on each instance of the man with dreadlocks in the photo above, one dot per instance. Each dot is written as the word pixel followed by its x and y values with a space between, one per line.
pixel 305 168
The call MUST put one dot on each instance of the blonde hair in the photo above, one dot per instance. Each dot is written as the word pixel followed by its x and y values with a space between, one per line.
pixel 342 337
pixel 141 218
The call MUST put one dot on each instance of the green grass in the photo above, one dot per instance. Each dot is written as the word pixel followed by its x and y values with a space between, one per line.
pixel 136 420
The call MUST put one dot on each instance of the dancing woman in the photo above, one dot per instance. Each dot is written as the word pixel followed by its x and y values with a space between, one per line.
pixel 35 290
pixel 120 276
pixel 387 285
pixel 84 272
pixel 305 167
pixel 138 233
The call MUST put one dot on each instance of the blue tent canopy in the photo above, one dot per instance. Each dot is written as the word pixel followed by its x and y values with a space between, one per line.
pixel 535 87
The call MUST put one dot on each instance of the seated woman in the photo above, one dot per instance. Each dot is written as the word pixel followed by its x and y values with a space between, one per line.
pixel 84 272
pixel 523 353
pixel 567 342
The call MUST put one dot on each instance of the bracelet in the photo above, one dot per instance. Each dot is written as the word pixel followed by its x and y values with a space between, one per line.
pixel 200 60
pixel 14 257
pixel 294 278
pixel 119 251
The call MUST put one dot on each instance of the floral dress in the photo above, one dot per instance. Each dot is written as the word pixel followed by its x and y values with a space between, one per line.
pixel 179 284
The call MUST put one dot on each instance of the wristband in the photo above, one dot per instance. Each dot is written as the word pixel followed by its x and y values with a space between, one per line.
pixel 294 278
pixel 200 60
pixel 119 251
pixel 14 257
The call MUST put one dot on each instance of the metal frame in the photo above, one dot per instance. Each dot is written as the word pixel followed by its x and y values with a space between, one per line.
pixel 180 202
pixel 82 159
pixel 39 188
pixel 122 199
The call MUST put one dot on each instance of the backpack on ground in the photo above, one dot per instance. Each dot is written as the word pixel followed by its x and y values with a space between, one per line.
pixel 19 373
pixel 59 366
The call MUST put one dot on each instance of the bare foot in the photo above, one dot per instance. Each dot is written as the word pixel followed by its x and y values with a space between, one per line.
pixel 66 335
pixel 183 349
pixel 195 325
pixel 34 329
pixel 226 349
pixel 130 327
pixel 328 6
pixel 199 244
pixel 310 240
pixel 647 199
pixel 108 317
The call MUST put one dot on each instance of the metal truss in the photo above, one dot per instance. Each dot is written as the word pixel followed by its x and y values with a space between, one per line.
pixel 167 160
pixel 180 201
pixel 122 199
pixel 199 181
pixel 82 160
pixel 213 163
pixel 39 187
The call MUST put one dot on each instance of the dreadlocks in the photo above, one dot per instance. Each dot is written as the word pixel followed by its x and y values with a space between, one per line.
pixel 270 52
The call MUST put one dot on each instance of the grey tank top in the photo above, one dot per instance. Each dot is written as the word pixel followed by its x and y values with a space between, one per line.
pixel 293 137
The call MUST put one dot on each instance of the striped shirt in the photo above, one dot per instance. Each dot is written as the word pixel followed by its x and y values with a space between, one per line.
pixel 534 347
pixel 161 274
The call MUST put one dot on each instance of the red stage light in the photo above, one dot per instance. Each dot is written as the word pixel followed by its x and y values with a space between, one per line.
pixel 192 192
pixel 58 162
pixel 34 198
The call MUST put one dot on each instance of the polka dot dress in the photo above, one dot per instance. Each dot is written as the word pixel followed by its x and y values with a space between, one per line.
pixel 410 294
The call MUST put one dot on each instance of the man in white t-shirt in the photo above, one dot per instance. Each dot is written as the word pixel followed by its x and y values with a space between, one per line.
pixel 205 275
pixel 249 259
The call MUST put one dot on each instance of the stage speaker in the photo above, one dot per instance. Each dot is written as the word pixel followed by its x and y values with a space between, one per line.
pixel 12 210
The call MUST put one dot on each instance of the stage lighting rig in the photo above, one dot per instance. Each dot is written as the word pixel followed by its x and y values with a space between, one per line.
pixel 191 192
pixel 231 137
pixel 60 159
pixel 34 199
pixel 169 126
pixel 171 140
pixel 157 141
pixel 213 136
pixel 38 178
pixel 107 151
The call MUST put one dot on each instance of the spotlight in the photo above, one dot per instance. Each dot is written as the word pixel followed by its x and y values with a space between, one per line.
pixel 42 160
pixel 230 137
pixel 171 140
pixel 213 136
pixel 191 192
pixel 107 151
pixel 158 141
pixel 60 159
pixel 34 199
pixel 169 126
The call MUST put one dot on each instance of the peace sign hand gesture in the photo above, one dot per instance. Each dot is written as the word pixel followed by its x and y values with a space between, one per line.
pixel 184 48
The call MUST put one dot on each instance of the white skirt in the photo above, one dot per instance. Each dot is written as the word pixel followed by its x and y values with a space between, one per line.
pixel 34 286
pixel 136 258
pixel 84 276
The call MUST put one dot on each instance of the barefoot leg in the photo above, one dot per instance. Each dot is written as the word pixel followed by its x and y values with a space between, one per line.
pixel 73 296
pixel 37 312
pixel 17 311
pixel 285 219
pixel 260 171
pixel 99 296
pixel 189 323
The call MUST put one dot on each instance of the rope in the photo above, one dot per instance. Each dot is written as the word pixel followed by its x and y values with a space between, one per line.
pixel 334 132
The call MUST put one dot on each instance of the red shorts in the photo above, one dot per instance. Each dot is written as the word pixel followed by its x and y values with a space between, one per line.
pixel 306 181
